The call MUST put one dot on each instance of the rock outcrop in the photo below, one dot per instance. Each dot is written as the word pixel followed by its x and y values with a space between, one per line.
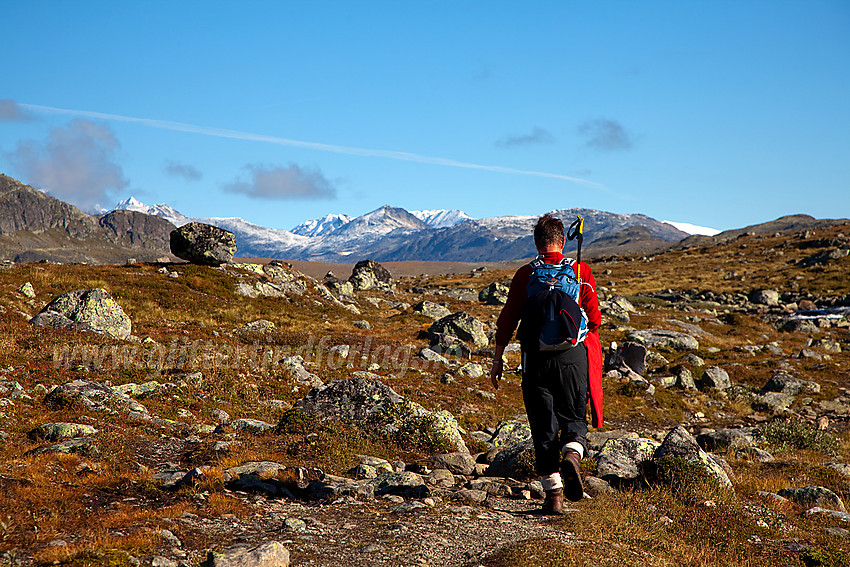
pixel 85 310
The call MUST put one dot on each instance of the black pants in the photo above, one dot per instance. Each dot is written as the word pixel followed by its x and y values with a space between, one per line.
pixel 554 388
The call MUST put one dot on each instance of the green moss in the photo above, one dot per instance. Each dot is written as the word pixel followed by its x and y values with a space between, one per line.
pixel 824 558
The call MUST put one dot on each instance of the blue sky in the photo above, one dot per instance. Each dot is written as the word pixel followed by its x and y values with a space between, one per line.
pixel 718 113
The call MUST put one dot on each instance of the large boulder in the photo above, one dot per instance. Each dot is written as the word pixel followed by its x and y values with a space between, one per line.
pixel 810 496
pixel 681 445
pixel 495 294
pixel 203 244
pixel 716 378
pixel 460 325
pixel 515 461
pixel 722 439
pixel 85 310
pixel 431 310
pixel 94 396
pixel 271 554
pixel 369 274
pixel 622 459
pixel 362 401
pixel 789 384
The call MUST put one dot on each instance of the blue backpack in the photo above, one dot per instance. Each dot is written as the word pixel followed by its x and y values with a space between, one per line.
pixel 552 319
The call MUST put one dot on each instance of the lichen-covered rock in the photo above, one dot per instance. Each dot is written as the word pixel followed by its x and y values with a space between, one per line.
pixel 462 326
pixel 369 274
pixel 515 461
pixel 294 365
pixel 252 425
pixel 471 370
pixel 495 294
pixel 61 431
pixel 716 378
pixel 85 446
pixel 788 384
pixel 269 477
pixel 364 401
pixel 431 310
pixel 681 444
pixel 271 554
pixel 664 339
pixel 772 402
pixel 85 310
pixel 769 297
pixel 456 463
pixel 94 396
pixel 810 496
pixel 27 290
pixel 203 244
pixel 510 432
pixel 722 439
pixel 621 459
pixel 405 483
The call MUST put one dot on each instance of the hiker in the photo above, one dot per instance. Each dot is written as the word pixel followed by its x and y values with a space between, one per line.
pixel 561 358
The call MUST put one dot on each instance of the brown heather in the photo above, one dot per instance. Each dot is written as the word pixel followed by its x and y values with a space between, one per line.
pixel 107 506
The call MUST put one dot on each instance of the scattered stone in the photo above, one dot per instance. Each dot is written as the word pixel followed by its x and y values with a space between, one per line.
pixel 767 297
pixel 470 495
pixel 272 554
pixel 715 378
pixel 772 402
pixel 510 432
pixel 27 290
pixel 722 439
pixel 788 384
pixel 60 431
pixel 810 496
pixel 456 463
pixel 406 484
pixel 431 310
pixel 835 514
pixel 365 401
pixel 431 355
pixel 621 459
pixel 203 244
pixel 681 444
pixel 471 370
pixel 85 310
pixel 294 365
pixel 368 274
pixel 495 294
pixel 596 485
pixel 252 425
pixel 361 324
pixel 663 339
pixel 515 461
pixel 462 326
pixel 85 446
pixel 94 396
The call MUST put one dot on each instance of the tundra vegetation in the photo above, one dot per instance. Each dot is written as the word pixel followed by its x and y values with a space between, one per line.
pixel 221 420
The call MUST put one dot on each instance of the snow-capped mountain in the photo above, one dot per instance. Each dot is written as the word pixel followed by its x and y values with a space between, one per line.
pixel 441 218
pixel 392 233
pixel 160 210
pixel 692 228
pixel 324 225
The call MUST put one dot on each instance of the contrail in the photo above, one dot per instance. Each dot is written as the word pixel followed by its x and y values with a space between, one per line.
pixel 237 135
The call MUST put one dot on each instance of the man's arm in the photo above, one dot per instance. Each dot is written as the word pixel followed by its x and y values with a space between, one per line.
pixel 507 321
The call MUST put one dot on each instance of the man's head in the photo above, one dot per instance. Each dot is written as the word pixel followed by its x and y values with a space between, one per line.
pixel 549 234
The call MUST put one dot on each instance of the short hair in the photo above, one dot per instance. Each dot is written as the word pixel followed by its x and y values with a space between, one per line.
pixel 548 230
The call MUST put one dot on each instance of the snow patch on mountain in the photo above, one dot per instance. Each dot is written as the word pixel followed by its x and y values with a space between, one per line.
pixel 161 210
pixel 692 228
pixel 320 226
pixel 441 218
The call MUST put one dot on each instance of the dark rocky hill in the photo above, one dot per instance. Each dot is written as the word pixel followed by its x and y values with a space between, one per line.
pixel 37 227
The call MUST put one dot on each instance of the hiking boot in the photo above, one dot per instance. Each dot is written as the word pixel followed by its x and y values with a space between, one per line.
pixel 554 503
pixel 571 474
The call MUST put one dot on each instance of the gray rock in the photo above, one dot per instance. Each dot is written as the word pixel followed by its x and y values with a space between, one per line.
pixel 595 485
pixel 94 396
pixel 203 244
pixel 629 354
pixel 160 561
pixel 663 339
pixel 684 378
pixel 621 459
pixel 27 290
pixel 294 365
pixel 431 355
pixel 91 310
pixel 85 446
pixel 431 310
pixel 510 432
pixel 252 425
pixel 365 401
pixel 681 444
pixel 456 463
pixel 772 402
pixel 716 378
pixel 693 360
pixel 471 370
pixel 470 495
pixel 361 324
pixel 810 496
pixel 407 484
pixel 767 297
pixel 449 345
pixel 722 439
pixel 264 476
pixel 272 554
pixel 789 384
pixel 61 431
pixel 495 294
pixel 368 274
pixel 515 461
pixel 462 326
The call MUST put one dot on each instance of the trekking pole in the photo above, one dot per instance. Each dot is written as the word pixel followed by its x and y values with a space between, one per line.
pixel 576 231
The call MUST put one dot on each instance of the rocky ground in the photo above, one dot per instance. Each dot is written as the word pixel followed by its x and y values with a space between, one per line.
pixel 182 411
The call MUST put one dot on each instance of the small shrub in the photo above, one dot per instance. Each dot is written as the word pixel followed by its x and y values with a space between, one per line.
pixel 824 558
pixel 794 433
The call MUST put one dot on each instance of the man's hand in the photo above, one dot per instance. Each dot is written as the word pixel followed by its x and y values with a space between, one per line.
pixel 496 372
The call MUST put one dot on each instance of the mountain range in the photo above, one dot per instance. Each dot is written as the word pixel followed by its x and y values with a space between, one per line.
pixel 393 233
pixel 35 226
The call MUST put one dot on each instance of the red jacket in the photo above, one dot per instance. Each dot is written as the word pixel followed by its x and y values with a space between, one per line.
pixel 512 311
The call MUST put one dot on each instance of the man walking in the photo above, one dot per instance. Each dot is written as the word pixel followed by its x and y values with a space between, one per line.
pixel 561 359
